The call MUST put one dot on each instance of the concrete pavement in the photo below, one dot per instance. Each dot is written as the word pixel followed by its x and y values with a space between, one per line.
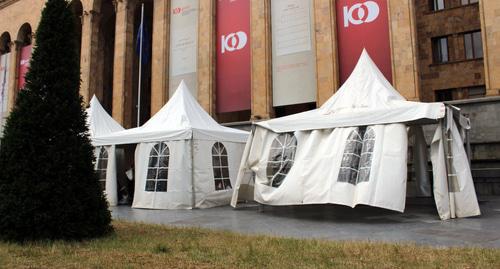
pixel 420 224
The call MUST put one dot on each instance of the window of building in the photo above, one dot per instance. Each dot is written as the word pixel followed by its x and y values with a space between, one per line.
pixel 357 157
pixel 157 178
pixel 467 2
pixel 102 166
pixel 436 5
pixel 443 95
pixel 476 92
pixel 281 157
pixel 221 168
pixel 473 45
pixel 440 49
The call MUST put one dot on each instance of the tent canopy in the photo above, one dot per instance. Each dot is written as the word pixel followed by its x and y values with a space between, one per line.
pixel 181 118
pixel 353 150
pixel 366 98
pixel 99 121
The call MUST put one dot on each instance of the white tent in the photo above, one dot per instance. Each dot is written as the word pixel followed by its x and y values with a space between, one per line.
pixel 353 150
pixel 184 159
pixel 100 124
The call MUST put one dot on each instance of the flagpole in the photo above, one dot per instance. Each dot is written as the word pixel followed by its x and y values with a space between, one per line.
pixel 140 67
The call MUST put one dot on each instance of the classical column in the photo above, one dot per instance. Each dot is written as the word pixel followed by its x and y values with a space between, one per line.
pixel 206 55
pixel 260 36
pixel 159 65
pixel 490 33
pixel 13 72
pixel 327 73
pixel 88 58
pixel 122 69
pixel 402 29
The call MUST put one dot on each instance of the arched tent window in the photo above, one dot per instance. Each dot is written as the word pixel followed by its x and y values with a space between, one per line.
pixel 281 157
pixel 365 163
pixel 102 165
pixel 221 168
pixel 357 157
pixel 157 178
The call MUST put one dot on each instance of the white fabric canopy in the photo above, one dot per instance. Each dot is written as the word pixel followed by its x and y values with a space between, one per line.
pixel 366 98
pixel 181 118
pixel 99 121
pixel 184 159
pixel 353 150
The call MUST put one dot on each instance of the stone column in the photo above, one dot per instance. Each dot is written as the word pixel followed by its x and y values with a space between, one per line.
pixel 402 29
pixel 490 33
pixel 13 72
pixel 159 65
pixel 206 55
pixel 88 58
pixel 327 73
pixel 260 36
pixel 122 69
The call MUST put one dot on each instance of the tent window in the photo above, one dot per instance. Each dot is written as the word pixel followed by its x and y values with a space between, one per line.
pixel 281 158
pixel 102 165
pixel 357 157
pixel 156 180
pixel 221 168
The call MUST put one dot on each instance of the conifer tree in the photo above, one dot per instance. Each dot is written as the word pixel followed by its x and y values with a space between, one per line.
pixel 48 187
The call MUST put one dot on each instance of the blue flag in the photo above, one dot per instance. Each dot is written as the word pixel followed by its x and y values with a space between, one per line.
pixel 142 36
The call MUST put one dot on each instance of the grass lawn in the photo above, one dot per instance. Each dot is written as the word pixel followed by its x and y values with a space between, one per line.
pixel 152 246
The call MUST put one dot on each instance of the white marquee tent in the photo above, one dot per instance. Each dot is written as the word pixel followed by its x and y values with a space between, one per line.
pixel 353 150
pixel 101 124
pixel 184 159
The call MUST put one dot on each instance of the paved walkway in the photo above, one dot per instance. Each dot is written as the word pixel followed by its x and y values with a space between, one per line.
pixel 419 224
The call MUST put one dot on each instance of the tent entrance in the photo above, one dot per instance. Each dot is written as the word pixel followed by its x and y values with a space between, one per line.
pixel 125 173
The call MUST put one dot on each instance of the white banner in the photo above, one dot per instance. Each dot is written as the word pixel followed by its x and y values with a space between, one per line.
pixel 4 89
pixel 294 60
pixel 183 43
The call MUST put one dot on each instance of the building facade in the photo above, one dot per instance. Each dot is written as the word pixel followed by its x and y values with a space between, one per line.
pixel 258 59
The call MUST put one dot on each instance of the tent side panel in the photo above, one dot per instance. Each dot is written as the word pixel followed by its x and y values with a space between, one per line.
pixel 178 194
pixel 216 166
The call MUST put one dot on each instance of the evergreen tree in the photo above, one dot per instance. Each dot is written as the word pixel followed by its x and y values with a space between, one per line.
pixel 48 187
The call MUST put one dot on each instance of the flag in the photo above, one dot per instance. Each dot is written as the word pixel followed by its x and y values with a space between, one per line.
pixel 143 36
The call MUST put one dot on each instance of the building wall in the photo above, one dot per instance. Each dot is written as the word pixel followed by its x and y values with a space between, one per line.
pixel 452 22
pixel 411 25
pixel 490 24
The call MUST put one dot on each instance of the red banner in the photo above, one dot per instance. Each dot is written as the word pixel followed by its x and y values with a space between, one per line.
pixel 24 64
pixel 233 55
pixel 363 24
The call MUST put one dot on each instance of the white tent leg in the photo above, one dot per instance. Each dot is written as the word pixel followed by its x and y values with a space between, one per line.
pixel 450 173
pixel 193 194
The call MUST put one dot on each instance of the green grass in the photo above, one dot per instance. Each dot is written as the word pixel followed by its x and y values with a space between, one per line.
pixel 152 246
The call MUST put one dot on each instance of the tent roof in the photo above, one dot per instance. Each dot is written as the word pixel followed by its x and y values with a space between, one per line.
pixel 181 118
pixel 366 98
pixel 99 121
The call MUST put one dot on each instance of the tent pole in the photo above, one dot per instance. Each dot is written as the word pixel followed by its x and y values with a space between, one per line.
pixel 193 194
pixel 140 67
pixel 449 167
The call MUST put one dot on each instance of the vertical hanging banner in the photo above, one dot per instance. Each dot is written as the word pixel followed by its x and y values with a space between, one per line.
pixel 363 24
pixel 233 55
pixel 4 89
pixel 183 44
pixel 293 53
pixel 24 64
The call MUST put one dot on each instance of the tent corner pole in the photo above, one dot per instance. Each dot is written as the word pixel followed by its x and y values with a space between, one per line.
pixel 193 194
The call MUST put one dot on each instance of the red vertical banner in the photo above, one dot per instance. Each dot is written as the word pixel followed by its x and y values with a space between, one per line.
pixel 24 64
pixel 363 24
pixel 233 55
